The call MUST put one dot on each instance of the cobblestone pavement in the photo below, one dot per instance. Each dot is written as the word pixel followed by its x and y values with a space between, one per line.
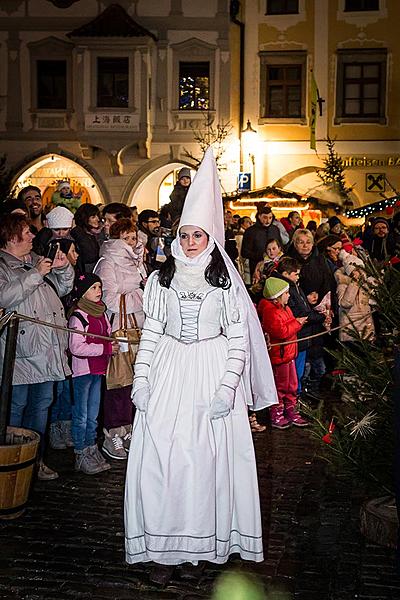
pixel 69 543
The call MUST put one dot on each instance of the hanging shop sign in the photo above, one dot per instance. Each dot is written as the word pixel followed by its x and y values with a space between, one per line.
pixel 111 121
pixel 365 161
pixel 375 182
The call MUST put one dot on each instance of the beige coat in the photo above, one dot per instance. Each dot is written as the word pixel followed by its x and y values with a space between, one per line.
pixel 354 309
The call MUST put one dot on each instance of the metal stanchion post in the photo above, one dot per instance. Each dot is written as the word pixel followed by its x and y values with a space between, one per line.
pixel 7 377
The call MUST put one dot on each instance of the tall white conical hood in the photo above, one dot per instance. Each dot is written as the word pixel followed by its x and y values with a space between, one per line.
pixel 203 204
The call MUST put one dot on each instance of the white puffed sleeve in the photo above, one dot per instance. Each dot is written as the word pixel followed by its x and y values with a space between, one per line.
pixel 154 306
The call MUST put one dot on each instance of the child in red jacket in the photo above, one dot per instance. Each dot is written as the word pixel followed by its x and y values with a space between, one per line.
pixel 280 324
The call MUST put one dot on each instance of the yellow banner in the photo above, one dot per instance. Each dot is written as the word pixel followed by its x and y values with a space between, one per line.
pixel 313 111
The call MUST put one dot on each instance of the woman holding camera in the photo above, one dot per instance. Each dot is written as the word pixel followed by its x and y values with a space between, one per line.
pixel 31 285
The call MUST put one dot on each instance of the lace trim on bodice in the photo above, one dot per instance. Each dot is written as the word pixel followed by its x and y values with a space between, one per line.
pixel 190 303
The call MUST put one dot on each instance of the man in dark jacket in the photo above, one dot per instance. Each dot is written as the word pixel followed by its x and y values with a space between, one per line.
pixel 255 237
pixel 172 211
pixel 381 245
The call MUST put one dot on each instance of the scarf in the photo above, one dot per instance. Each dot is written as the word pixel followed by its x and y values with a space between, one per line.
pixel 94 309
pixel 201 260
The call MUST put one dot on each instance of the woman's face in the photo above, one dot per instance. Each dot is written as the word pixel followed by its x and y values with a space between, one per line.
pixel 94 222
pixel 129 238
pixel 22 247
pixel 193 240
pixel 333 251
pixel 304 245
pixel 72 255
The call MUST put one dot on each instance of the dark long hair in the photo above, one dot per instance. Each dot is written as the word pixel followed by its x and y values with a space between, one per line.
pixel 216 273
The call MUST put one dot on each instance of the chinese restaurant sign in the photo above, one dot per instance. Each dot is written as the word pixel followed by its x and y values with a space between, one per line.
pixel 111 122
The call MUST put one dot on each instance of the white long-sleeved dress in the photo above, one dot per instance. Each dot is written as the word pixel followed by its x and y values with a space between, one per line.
pixel 191 488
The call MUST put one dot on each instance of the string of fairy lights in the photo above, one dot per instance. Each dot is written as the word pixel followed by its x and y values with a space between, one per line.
pixel 368 209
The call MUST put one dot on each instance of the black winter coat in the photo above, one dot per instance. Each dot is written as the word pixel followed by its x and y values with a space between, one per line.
pixel 172 211
pixel 254 242
pixel 88 249
pixel 315 274
pixel 300 307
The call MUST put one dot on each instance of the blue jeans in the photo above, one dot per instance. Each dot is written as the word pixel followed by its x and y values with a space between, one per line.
pixel 61 409
pixel 30 407
pixel 300 363
pixel 85 410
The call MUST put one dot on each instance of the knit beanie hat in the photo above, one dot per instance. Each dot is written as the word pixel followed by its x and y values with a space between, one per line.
pixel 309 286
pixel 332 221
pixel 184 172
pixel 380 220
pixel 84 282
pixel 60 218
pixel 274 288
pixel 328 240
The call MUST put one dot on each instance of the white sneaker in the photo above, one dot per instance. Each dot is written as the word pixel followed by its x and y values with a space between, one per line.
pixel 113 445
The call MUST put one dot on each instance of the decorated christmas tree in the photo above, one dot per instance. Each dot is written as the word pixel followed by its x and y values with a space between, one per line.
pixel 355 425
pixel 333 173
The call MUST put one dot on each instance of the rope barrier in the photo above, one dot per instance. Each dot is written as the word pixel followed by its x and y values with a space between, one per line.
pixel 126 341
pixel 315 335
pixel 70 330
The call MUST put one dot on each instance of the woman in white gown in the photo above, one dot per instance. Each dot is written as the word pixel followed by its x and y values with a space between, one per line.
pixel 191 489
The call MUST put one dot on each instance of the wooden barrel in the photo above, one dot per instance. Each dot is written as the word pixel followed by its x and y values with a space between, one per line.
pixel 17 460
pixel 379 522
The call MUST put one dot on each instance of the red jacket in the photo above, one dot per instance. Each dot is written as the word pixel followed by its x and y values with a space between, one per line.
pixel 281 326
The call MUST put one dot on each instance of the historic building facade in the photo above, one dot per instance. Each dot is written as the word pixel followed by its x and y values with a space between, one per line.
pixel 352 48
pixel 107 94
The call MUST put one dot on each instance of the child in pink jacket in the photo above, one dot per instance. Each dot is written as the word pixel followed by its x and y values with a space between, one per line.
pixel 90 357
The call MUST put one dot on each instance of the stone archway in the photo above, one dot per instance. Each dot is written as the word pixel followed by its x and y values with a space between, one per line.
pixel 143 187
pixel 44 169
pixel 304 181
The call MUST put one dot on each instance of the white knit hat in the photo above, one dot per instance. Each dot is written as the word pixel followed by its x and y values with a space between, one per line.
pixel 60 218
pixel 203 204
pixel 62 185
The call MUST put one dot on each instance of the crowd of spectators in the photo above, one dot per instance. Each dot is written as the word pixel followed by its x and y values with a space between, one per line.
pixel 63 267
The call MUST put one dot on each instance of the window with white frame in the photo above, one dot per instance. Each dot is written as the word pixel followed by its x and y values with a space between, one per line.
pixel 51 84
pixel 283 85
pixel 112 82
pixel 51 75
pixel 361 86
pixel 194 85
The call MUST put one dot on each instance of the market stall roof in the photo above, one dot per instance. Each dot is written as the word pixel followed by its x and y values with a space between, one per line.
pixel 272 194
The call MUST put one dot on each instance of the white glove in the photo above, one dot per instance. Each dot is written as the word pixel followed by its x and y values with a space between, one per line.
pixel 222 403
pixel 141 397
